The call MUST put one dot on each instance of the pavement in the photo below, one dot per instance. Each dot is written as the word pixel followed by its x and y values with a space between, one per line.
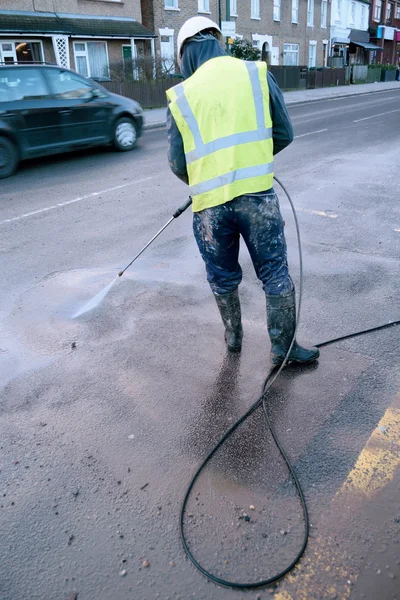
pixel 155 118
pixel 105 418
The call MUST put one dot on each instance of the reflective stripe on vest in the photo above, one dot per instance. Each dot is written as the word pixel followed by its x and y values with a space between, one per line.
pixel 228 178
pixel 222 168
pixel 202 149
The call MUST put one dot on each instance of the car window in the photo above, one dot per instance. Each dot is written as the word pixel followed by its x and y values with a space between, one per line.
pixel 22 84
pixel 69 86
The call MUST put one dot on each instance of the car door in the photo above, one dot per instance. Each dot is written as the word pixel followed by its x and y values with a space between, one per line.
pixel 25 97
pixel 85 111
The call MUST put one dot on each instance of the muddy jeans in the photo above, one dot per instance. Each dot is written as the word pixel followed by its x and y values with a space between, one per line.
pixel 257 218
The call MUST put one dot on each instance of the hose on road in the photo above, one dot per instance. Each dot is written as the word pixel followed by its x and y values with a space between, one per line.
pixel 270 379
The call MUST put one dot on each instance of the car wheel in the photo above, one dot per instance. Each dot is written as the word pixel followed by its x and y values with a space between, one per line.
pixel 8 157
pixel 125 134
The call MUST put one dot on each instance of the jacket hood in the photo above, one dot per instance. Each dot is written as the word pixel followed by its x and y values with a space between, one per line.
pixel 199 50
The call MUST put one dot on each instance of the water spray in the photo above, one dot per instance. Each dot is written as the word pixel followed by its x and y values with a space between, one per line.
pixel 94 302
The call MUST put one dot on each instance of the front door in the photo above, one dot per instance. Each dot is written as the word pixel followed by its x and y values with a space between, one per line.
pixel 84 117
pixel 167 54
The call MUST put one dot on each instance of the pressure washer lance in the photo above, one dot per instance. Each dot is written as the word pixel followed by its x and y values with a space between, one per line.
pixel 94 302
pixel 176 214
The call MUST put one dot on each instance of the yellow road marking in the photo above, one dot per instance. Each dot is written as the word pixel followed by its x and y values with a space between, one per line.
pixel 320 213
pixel 380 458
pixel 321 573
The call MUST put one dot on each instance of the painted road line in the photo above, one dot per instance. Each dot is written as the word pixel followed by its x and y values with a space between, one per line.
pixel 74 200
pixel 309 133
pixel 326 569
pixel 389 112
pixel 379 460
pixel 320 213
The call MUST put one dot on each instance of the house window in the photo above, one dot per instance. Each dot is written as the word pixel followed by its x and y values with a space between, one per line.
pixel 312 54
pixel 339 10
pixel 91 59
pixel 295 11
pixel 171 4
pixel 203 6
pixel 377 10
pixel 291 55
pixel 353 13
pixel 389 12
pixel 398 11
pixel 324 13
pixel 233 8
pixel 255 9
pixel 363 23
pixel 21 52
pixel 277 10
pixel 310 13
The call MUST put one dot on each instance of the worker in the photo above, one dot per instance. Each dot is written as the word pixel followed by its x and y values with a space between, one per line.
pixel 225 122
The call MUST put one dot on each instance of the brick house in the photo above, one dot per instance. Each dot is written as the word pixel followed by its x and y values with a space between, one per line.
pixel 385 30
pixel 89 36
pixel 290 32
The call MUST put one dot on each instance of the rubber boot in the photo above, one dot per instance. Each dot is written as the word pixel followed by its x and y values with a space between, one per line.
pixel 229 308
pixel 281 316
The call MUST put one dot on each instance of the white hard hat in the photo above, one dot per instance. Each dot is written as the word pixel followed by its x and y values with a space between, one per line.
pixel 193 26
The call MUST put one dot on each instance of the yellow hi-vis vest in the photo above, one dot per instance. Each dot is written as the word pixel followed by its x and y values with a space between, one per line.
pixel 222 113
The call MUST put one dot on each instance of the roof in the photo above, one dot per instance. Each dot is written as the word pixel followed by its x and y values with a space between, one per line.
pixel 367 46
pixel 359 35
pixel 12 21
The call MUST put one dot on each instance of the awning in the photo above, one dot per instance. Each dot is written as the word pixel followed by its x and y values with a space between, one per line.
pixel 359 35
pixel 340 41
pixel 367 46
pixel 13 21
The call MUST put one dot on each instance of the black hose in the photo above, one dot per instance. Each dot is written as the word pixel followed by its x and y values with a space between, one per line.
pixel 271 377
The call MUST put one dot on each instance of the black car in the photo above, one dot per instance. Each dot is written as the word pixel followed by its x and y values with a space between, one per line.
pixel 47 109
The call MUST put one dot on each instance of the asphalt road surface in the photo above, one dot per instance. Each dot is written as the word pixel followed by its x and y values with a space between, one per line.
pixel 105 418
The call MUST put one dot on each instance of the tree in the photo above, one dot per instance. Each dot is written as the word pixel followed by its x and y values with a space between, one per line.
pixel 245 50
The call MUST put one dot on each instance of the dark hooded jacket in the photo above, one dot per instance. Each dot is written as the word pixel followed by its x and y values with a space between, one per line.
pixel 195 54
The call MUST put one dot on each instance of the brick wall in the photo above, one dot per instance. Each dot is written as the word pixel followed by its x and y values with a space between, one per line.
pixel 284 31
pixel 156 17
pixel 124 8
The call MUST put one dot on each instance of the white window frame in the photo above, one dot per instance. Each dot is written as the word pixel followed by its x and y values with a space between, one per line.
pixel 295 11
pixel 294 49
pixel 234 12
pixel 174 5
pixel 324 14
pixel 14 50
pixel 339 9
pixel 363 24
pixel 389 11
pixel 312 44
pixel 85 53
pixel 310 13
pixel 353 13
pixel 277 10
pixel 397 13
pixel 255 10
pixel 377 16
pixel 203 7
